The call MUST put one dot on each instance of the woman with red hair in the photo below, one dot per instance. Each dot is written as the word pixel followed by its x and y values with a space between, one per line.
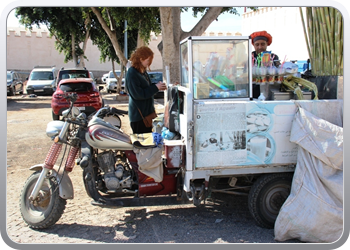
pixel 140 89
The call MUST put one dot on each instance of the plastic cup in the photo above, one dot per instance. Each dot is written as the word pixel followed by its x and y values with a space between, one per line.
pixel 280 74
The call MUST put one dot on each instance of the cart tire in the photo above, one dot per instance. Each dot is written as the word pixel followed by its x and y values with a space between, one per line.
pixel 267 196
pixel 45 213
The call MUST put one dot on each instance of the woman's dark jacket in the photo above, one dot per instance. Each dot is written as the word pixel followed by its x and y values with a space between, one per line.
pixel 141 92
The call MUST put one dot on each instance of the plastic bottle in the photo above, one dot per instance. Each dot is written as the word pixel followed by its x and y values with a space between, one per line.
pixel 167 134
pixel 261 97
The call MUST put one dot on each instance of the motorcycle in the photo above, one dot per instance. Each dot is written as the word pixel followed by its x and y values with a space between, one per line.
pixel 110 169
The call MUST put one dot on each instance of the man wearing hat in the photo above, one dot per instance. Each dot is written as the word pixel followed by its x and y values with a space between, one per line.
pixel 260 41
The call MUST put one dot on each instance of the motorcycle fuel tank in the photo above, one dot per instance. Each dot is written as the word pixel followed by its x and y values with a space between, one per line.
pixel 103 137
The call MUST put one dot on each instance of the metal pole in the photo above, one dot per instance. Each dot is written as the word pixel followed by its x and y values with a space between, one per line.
pixel 125 40
pixel 126 49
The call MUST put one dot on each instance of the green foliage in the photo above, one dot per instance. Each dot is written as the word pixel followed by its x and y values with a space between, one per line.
pixel 66 22
pixel 100 38
pixel 140 20
pixel 143 19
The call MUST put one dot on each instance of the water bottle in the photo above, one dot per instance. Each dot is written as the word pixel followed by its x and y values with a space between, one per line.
pixel 167 134
pixel 261 97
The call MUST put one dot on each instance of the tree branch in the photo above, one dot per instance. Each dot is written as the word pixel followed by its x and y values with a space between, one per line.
pixel 210 16
pixel 112 36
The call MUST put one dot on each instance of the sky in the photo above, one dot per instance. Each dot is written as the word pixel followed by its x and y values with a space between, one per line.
pixel 225 23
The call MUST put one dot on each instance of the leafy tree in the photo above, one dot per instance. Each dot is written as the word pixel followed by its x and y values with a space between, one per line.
pixel 140 22
pixel 141 19
pixel 73 26
pixel 164 19
pixel 100 38
pixel 69 25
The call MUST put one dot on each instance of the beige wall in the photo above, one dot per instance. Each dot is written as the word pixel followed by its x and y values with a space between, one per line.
pixel 27 49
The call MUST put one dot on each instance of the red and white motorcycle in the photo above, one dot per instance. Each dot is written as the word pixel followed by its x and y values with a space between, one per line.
pixel 110 169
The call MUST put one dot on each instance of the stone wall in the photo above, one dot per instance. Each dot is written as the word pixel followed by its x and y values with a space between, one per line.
pixel 27 49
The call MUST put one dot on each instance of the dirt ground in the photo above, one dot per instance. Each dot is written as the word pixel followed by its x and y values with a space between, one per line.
pixel 27 145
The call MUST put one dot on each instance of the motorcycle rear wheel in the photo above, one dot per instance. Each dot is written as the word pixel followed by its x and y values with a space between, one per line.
pixel 47 209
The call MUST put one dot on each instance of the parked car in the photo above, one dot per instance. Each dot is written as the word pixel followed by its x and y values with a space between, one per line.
pixel 104 77
pixel 72 73
pixel 111 81
pixel 89 97
pixel 155 77
pixel 14 83
pixel 42 80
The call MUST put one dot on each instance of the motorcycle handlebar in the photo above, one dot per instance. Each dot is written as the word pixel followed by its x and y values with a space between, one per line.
pixel 118 111
pixel 109 110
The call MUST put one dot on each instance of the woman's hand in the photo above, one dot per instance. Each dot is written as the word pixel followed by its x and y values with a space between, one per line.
pixel 161 86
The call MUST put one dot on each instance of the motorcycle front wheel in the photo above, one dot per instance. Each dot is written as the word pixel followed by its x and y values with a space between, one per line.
pixel 47 208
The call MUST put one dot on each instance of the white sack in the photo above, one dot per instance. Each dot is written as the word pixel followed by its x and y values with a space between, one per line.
pixel 313 212
pixel 150 162
pixel 329 110
pixel 149 157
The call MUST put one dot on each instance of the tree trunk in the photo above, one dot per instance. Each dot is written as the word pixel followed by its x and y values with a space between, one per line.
pixel 87 36
pixel 74 55
pixel 112 36
pixel 172 35
pixel 140 41
pixel 171 30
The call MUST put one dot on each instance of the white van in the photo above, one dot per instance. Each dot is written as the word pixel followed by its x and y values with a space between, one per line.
pixel 42 80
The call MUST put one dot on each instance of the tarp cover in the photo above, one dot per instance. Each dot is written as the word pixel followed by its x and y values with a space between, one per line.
pixel 313 212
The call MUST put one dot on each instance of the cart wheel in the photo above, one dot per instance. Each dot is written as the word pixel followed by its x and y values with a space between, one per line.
pixel 267 196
